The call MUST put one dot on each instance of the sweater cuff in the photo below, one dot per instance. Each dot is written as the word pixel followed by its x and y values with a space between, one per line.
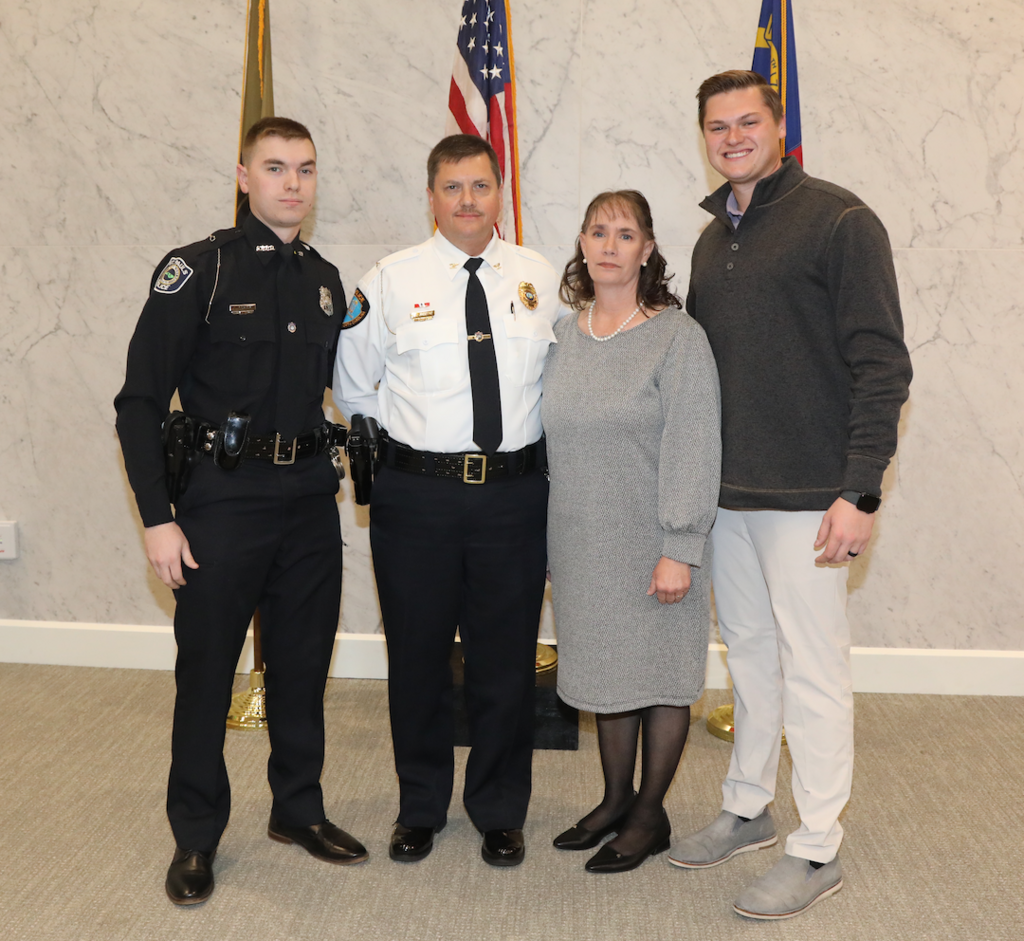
pixel 864 474
pixel 684 547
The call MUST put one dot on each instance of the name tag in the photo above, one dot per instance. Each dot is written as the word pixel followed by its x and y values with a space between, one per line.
pixel 421 312
pixel 242 308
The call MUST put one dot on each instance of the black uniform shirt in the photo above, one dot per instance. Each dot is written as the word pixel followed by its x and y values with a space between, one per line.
pixel 237 322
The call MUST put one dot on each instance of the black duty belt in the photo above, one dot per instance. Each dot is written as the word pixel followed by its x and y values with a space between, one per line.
pixel 469 467
pixel 281 450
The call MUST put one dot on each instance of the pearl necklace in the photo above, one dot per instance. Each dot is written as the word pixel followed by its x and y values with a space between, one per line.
pixel 619 329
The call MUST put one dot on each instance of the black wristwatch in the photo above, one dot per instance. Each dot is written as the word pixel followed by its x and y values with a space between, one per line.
pixel 865 502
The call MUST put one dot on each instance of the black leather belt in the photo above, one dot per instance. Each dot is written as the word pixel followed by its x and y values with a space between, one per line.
pixel 281 450
pixel 469 467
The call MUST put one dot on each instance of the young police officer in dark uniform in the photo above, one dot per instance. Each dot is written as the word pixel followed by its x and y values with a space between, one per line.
pixel 244 325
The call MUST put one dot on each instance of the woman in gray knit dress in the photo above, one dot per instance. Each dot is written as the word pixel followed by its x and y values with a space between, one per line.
pixel 631 415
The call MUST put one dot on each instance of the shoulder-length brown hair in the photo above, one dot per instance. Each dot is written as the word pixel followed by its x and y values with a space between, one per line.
pixel 577 287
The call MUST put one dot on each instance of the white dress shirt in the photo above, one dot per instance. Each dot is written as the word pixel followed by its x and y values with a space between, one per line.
pixel 405 362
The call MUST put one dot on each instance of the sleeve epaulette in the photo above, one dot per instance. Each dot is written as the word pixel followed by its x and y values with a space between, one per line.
pixel 406 254
pixel 217 239
pixel 530 255
pixel 317 257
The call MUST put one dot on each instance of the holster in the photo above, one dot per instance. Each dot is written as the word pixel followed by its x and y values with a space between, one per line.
pixel 363 448
pixel 180 452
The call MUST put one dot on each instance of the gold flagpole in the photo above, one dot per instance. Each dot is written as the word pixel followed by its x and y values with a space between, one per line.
pixel 249 708
pixel 257 77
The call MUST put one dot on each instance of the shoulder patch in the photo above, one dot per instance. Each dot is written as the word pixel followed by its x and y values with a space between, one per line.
pixel 172 279
pixel 357 310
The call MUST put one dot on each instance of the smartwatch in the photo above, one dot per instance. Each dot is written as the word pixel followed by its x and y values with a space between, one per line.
pixel 865 502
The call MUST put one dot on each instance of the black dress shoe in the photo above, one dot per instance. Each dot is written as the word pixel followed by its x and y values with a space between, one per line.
pixel 503 847
pixel 411 844
pixel 580 838
pixel 607 859
pixel 190 876
pixel 323 840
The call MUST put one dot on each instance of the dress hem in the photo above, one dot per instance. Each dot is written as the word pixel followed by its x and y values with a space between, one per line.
pixel 631 706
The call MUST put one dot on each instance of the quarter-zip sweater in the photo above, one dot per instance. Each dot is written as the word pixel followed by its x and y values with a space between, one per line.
pixel 801 308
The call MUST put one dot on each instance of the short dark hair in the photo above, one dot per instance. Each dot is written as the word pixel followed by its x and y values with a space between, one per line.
pixel 285 128
pixel 577 287
pixel 735 80
pixel 457 147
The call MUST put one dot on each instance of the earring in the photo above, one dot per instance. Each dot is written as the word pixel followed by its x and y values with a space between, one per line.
pixel 584 259
pixel 643 264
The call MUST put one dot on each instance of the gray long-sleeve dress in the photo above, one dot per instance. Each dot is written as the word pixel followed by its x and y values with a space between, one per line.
pixel 634 452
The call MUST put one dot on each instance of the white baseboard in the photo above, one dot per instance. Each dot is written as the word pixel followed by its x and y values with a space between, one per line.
pixel 364 656
pixel 142 647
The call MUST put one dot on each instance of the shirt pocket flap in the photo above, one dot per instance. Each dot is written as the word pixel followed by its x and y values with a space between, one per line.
pixel 529 328
pixel 427 335
pixel 250 328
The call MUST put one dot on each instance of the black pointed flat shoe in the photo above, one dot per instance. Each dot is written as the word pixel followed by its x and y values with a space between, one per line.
pixel 579 837
pixel 607 859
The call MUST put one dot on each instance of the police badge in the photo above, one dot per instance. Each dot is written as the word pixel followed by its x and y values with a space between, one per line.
pixel 326 301
pixel 528 294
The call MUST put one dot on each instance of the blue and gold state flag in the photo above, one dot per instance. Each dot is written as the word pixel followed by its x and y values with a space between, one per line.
pixel 775 59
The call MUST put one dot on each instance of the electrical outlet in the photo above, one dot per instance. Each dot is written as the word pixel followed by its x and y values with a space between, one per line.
pixel 8 540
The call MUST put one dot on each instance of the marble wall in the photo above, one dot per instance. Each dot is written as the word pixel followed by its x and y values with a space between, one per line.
pixel 118 129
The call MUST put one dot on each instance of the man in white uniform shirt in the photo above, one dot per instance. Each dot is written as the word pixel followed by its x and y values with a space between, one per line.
pixel 443 345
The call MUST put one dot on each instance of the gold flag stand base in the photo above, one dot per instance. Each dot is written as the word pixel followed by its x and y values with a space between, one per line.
pixel 547 658
pixel 720 724
pixel 249 709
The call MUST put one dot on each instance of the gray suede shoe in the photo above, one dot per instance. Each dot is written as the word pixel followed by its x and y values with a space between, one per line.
pixel 726 837
pixel 790 887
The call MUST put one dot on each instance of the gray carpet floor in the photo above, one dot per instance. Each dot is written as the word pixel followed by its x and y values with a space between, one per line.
pixel 933 846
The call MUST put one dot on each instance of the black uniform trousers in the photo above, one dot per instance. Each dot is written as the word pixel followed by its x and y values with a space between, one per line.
pixel 263 536
pixel 448 554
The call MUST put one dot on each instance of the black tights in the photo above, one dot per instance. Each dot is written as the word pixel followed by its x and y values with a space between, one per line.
pixel 665 729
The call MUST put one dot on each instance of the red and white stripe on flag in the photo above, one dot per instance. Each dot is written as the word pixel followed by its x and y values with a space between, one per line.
pixel 482 98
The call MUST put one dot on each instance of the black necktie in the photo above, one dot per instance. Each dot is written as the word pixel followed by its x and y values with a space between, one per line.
pixel 483 366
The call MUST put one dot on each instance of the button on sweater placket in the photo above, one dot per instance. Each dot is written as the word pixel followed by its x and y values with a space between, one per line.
pixel 731 265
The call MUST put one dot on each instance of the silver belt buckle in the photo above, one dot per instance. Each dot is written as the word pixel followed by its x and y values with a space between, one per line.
pixel 277 451
pixel 473 464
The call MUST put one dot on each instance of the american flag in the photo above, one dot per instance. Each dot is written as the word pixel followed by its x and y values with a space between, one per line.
pixel 482 97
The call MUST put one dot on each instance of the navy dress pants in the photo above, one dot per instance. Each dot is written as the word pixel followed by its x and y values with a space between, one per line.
pixel 265 537
pixel 451 555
